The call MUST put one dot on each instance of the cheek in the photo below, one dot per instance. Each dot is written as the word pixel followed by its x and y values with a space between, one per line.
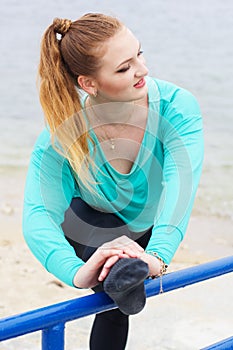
pixel 143 60
pixel 115 86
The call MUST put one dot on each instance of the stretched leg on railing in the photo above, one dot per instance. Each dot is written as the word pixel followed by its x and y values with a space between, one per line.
pixel 86 229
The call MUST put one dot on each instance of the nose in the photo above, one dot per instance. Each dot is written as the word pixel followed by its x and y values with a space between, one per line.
pixel 141 68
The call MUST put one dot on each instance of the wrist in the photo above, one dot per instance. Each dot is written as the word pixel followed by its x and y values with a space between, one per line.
pixel 79 280
pixel 162 266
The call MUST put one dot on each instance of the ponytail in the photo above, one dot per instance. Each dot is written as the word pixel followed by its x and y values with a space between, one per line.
pixel 61 103
pixel 61 62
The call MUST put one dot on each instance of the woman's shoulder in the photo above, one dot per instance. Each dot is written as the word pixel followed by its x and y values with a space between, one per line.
pixel 43 140
pixel 168 90
pixel 45 146
pixel 175 96
pixel 44 137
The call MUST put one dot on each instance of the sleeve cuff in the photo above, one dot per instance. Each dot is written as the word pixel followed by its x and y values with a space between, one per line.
pixel 164 241
pixel 64 266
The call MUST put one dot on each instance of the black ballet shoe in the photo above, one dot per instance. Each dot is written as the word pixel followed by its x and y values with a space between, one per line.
pixel 125 284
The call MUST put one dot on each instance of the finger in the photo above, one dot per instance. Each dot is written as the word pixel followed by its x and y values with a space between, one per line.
pixel 134 250
pixel 127 243
pixel 124 255
pixel 118 242
pixel 124 242
pixel 109 263
pixel 107 266
pixel 100 256
pixel 107 253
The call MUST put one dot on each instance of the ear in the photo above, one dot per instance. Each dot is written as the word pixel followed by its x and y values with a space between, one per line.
pixel 88 84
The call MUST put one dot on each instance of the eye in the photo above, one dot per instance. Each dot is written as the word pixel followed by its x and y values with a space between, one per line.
pixel 124 69
pixel 140 53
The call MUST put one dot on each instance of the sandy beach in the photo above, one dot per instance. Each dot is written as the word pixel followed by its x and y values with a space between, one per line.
pixel 185 319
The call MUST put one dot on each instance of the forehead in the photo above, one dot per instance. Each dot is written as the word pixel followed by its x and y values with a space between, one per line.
pixel 119 48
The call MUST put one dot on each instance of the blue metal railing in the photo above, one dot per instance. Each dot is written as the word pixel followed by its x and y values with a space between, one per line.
pixel 51 319
pixel 222 345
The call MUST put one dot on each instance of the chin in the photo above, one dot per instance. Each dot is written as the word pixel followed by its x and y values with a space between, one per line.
pixel 142 95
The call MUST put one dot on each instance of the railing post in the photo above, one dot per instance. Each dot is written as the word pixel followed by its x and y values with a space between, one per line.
pixel 53 337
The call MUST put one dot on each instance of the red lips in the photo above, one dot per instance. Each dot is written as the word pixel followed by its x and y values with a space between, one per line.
pixel 140 83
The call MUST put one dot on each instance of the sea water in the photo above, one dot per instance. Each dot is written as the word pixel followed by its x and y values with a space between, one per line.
pixel 186 42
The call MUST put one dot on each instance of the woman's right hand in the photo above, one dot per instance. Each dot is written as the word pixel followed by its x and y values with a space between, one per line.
pixel 99 264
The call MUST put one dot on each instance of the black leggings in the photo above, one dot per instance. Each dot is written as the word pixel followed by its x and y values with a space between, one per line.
pixel 86 229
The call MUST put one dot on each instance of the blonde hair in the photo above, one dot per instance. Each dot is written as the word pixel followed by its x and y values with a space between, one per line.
pixel 77 52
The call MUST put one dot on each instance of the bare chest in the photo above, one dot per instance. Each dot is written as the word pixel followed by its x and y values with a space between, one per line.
pixel 121 146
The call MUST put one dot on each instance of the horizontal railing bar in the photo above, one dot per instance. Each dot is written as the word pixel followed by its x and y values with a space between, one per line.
pixel 46 317
pixel 49 316
pixel 191 275
pixel 225 344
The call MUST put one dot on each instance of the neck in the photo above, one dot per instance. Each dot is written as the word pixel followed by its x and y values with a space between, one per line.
pixel 112 112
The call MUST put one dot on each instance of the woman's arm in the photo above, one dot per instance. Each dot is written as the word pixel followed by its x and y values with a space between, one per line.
pixel 48 192
pixel 182 137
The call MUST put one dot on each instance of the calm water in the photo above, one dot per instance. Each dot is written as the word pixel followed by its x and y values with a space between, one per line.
pixel 186 42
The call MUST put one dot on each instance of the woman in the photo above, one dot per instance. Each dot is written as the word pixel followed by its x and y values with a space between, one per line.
pixel 112 179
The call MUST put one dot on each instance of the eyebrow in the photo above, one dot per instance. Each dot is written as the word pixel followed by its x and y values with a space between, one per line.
pixel 129 59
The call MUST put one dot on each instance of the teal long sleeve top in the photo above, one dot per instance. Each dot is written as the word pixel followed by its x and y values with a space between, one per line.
pixel 158 192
